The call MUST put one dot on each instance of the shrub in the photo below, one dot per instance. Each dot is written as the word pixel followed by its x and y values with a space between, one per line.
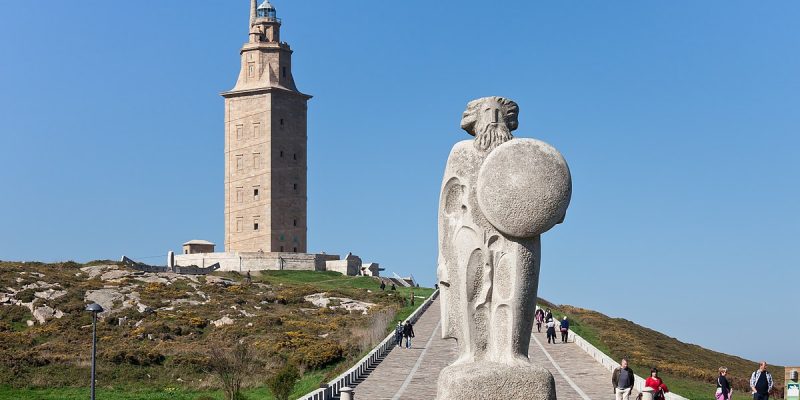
pixel 134 357
pixel 14 314
pixel 232 367
pixel 25 296
pixel 282 383
pixel 320 354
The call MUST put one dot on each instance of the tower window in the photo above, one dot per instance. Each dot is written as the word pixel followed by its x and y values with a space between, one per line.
pixel 255 193
pixel 239 129
pixel 256 130
pixel 283 71
pixel 255 225
pixel 256 160
pixel 295 249
pixel 294 156
pixel 239 223
pixel 251 70
pixel 240 162
pixel 295 222
pixel 281 122
pixel 239 195
pixel 295 186
pixel 281 248
pixel 281 153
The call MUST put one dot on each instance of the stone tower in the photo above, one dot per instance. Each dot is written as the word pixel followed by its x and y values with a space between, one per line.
pixel 265 145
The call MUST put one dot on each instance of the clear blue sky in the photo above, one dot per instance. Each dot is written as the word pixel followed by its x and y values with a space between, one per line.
pixel 679 121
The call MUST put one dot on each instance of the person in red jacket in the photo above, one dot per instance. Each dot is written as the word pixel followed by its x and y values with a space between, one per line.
pixel 658 386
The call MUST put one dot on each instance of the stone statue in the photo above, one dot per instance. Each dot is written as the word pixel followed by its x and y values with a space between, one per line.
pixel 499 194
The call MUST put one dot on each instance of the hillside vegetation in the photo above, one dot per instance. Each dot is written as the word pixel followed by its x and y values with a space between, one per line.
pixel 687 369
pixel 157 336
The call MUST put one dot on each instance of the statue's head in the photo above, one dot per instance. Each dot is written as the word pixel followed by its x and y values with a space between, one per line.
pixel 490 120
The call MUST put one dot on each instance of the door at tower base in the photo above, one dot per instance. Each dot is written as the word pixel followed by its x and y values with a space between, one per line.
pixel 499 194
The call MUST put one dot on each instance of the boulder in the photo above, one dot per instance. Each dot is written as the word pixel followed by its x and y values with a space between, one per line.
pixel 218 280
pixel 50 294
pixel 115 274
pixel 222 321
pixel 43 314
pixel 96 270
pixel 105 297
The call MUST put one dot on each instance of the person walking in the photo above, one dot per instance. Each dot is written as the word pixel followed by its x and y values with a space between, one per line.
pixel 551 331
pixel 564 329
pixel 761 382
pixel 548 314
pixel 394 287
pixel 724 391
pixel 408 333
pixel 658 386
pixel 398 334
pixel 383 285
pixel 622 379
pixel 539 317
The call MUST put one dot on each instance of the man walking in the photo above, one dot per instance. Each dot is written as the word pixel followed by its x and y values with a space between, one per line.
pixel 564 329
pixel 761 382
pixel 408 333
pixel 622 378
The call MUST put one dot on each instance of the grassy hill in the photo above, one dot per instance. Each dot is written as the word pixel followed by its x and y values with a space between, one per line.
pixel 157 339
pixel 687 369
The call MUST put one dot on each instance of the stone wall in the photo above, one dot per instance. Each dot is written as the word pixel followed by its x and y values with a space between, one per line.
pixel 258 261
pixel 350 265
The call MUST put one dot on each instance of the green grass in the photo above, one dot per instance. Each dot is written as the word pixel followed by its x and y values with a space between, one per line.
pixel 306 385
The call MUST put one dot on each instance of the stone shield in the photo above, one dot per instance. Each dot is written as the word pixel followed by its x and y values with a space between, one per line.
pixel 524 187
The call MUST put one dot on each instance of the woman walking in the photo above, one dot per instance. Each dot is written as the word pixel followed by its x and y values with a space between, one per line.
pixel 398 334
pixel 655 383
pixel 539 317
pixel 724 391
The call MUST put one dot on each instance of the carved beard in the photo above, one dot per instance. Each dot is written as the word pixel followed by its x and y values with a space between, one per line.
pixel 491 136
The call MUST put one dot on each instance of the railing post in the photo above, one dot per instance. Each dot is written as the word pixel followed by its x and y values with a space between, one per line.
pixel 347 394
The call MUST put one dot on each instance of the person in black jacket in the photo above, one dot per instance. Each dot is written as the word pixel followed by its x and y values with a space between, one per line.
pixel 622 380
pixel 723 387
pixel 408 333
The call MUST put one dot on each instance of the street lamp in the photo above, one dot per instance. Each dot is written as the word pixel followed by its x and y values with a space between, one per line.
pixel 94 308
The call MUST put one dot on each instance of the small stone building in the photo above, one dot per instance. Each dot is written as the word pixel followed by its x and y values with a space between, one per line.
pixel 198 246
pixel 350 265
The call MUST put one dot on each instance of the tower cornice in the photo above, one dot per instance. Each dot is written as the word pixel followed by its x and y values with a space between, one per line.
pixel 264 90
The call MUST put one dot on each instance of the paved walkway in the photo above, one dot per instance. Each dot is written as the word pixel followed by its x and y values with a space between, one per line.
pixel 412 373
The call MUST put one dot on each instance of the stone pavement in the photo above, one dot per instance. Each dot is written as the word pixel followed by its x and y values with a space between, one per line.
pixel 412 373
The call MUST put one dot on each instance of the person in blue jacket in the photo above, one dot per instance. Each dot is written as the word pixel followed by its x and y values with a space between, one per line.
pixel 564 329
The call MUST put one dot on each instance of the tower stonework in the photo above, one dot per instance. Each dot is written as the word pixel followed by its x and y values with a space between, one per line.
pixel 265 145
